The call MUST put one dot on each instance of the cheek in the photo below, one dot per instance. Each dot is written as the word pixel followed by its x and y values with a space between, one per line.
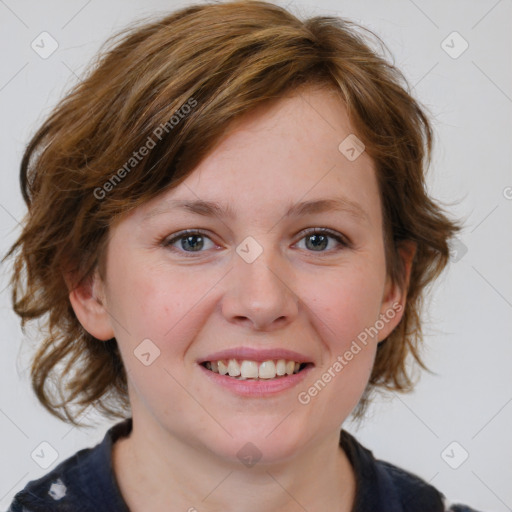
pixel 343 312
pixel 162 306
pixel 153 302
pixel 344 303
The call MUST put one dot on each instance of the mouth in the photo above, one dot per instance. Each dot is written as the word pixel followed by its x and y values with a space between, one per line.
pixel 256 372
pixel 246 369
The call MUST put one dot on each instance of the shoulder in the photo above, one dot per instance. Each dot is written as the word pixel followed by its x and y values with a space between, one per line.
pixel 416 492
pixel 382 483
pixel 55 488
pixel 83 482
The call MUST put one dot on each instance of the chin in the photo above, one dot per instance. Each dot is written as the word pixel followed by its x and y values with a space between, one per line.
pixel 262 443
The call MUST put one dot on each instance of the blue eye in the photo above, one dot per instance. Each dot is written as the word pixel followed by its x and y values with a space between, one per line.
pixel 189 239
pixel 193 241
pixel 320 239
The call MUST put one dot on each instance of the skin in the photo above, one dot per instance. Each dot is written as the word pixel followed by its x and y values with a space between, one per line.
pixel 182 452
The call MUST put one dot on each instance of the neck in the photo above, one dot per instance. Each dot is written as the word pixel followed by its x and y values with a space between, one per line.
pixel 154 469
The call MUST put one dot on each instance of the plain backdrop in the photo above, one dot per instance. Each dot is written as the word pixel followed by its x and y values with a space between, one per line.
pixel 454 430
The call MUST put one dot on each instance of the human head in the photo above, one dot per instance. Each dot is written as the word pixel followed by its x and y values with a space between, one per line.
pixel 223 61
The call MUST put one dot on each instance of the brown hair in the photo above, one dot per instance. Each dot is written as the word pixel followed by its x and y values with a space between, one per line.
pixel 79 171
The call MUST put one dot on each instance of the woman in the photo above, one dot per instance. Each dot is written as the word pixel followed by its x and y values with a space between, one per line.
pixel 230 236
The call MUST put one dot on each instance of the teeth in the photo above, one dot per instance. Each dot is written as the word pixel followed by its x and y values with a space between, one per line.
pixel 247 369
pixel 223 369
pixel 267 370
pixel 233 368
pixel 281 367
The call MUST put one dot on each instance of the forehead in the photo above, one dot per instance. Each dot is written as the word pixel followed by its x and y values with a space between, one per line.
pixel 282 158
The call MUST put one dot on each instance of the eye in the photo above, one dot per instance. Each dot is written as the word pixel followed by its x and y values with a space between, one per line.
pixel 190 241
pixel 318 239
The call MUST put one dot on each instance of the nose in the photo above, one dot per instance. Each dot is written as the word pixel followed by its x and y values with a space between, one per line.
pixel 260 294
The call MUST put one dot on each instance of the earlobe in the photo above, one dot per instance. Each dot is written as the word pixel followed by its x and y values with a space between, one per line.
pixel 395 296
pixel 88 302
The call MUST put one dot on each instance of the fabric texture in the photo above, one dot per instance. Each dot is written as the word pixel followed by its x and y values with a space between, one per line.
pixel 85 482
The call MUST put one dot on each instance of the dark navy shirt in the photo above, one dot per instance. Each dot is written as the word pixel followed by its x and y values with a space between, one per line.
pixel 85 482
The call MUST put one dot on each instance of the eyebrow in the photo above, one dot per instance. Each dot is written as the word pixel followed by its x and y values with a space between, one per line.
pixel 213 209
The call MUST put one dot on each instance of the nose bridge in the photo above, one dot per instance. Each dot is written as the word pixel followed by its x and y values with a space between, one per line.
pixel 259 288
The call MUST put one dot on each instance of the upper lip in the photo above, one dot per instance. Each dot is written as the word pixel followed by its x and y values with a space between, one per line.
pixel 256 354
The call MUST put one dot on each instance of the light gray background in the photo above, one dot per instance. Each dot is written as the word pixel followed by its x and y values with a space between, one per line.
pixel 469 322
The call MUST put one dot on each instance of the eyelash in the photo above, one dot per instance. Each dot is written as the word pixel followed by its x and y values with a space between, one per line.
pixel 342 241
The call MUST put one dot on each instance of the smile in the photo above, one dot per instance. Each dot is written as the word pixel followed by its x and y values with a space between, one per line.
pixel 255 387
pixel 248 369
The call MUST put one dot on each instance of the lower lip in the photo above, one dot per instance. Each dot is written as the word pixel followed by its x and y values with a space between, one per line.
pixel 257 388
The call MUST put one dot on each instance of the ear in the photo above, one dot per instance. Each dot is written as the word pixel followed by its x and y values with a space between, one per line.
pixel 89 304
pixel 394 299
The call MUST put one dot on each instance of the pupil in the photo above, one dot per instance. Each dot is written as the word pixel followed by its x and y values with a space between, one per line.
pixel 316 243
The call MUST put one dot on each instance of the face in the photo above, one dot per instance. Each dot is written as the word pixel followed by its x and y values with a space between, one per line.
pixel 265 276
